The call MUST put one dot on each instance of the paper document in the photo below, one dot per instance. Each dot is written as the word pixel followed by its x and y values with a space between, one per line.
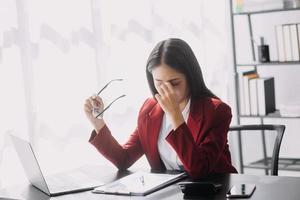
pixel 139 183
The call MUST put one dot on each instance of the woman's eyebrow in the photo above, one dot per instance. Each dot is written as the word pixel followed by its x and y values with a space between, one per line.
pixel 174 79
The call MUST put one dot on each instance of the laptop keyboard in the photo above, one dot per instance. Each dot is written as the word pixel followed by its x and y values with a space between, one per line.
pixel 73 180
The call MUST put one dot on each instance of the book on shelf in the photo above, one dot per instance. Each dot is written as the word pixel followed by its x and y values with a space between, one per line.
pixel 243 83
pixel 246 80
pixel 298 38
pixel 140 183
pixel 253 96
pixel 280 43
pixel 266 95
pixel 287 42
pixel 257 94
pixel 294 42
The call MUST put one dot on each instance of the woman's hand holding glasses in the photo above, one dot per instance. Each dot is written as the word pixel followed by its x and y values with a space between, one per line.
pixel 94 108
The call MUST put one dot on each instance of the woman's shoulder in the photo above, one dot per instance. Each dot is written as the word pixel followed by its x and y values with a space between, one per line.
pixel 148 106
pixel 211 104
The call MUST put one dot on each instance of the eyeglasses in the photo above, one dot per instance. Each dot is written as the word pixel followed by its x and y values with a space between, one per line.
pixel 107 107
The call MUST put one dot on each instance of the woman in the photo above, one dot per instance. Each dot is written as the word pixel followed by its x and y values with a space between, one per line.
pixel 183 127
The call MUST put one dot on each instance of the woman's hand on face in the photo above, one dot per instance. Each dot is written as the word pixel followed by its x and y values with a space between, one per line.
pixel 91 103
pixel 167 100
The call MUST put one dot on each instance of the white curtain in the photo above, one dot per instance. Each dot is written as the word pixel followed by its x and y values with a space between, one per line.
pixel 56 53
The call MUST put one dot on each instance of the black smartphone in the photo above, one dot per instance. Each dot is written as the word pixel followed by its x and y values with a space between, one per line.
pixel 241 191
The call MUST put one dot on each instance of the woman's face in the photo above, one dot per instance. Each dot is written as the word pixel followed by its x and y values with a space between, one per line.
pixel 163 73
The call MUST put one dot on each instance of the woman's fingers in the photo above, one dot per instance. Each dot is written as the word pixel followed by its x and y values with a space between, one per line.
pixel 159 100
pixel 164 90
pixel 100 101
pixel 169 87
pixel 89 112
pixel 97 98
pixel 88 108
pixel 88 104
pixel 96 101
pixel 160 91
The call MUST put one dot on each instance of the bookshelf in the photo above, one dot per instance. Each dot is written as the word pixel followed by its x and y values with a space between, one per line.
pixel 270 63
pixel 265 11
pixel 290 164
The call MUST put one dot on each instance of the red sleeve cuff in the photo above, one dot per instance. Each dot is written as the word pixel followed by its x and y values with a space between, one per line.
pixel 94 135
pixel 177 130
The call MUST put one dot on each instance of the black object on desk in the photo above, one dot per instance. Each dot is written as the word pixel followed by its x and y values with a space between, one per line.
pixel 193 189
pixel 241 191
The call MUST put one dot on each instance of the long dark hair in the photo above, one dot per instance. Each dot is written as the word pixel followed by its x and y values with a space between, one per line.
pixel 177 54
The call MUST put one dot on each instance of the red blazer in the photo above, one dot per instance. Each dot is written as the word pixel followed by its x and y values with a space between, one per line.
pixel 201 143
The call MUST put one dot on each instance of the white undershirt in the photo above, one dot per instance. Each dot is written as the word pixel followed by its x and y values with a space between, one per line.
pixel 166 151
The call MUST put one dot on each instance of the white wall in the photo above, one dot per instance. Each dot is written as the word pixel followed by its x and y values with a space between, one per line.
pixel 56 53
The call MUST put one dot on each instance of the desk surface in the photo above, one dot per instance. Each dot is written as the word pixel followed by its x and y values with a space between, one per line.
pixel 267 187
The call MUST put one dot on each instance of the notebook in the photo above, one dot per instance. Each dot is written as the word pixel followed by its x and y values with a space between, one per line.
pixel 139 183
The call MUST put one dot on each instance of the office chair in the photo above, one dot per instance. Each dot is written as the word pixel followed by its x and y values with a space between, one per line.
pixel 265 162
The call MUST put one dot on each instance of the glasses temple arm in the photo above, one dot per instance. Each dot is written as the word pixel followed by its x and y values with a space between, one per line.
pixel 108 84
pixel 109 105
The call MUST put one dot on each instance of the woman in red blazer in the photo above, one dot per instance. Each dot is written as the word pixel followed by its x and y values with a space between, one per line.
pixel 183 127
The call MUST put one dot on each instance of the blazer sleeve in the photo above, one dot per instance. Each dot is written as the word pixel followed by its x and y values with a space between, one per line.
pixel 122 156
pixel 200 158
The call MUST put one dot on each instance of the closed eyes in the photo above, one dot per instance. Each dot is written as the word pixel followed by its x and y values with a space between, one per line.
pixel 173 83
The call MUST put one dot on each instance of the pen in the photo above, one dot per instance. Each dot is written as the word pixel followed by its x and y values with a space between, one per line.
pixel 142 180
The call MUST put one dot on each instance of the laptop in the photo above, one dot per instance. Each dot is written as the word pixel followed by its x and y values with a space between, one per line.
pixel 54 185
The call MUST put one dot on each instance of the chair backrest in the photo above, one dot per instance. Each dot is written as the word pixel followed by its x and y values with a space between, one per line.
pixel 279 129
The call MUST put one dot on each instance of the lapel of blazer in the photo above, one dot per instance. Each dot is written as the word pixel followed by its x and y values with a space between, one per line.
pixel 154 123
pixel 155 117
